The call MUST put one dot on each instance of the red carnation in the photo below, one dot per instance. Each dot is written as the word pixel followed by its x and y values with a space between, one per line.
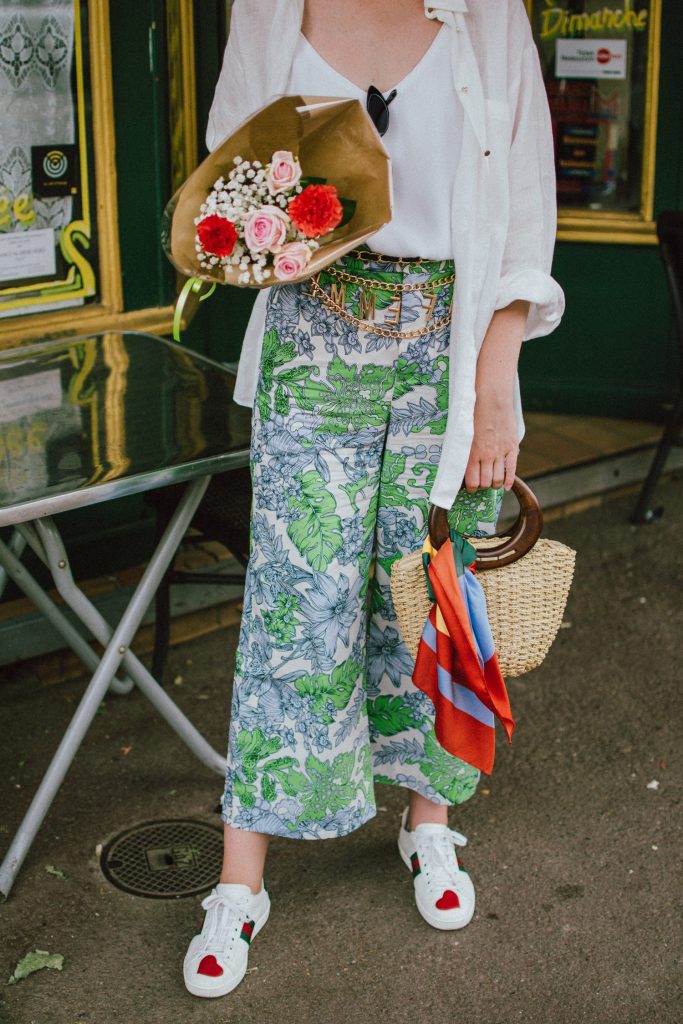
pixel 316 210
pixel 217 235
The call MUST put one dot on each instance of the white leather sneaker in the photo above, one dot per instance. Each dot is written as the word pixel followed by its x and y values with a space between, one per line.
pixel 444 893
pixel 217 957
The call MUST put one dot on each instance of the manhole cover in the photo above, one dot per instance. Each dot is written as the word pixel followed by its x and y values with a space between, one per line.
pixel 165 860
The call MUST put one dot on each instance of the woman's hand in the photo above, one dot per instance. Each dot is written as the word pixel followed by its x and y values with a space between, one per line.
pixel 493 455
pixel 495 444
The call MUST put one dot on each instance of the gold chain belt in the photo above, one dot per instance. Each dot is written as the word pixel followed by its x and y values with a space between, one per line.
pixel 380 257
pixel 387 286
pixel 368 325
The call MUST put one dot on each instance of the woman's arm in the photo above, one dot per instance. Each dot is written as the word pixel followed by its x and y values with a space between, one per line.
pixel 495 446
pixel 529 302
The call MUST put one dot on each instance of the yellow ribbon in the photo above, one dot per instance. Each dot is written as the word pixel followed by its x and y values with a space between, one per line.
pixel 193 285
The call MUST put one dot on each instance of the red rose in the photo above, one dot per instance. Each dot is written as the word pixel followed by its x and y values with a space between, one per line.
pixel 316 210
pixel 217 235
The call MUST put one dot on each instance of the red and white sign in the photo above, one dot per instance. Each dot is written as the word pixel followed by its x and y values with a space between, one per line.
pixel 590 58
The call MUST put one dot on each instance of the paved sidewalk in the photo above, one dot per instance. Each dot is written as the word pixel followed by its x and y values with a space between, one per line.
pixel 574 843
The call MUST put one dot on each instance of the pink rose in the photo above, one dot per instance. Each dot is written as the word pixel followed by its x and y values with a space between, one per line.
pixel 284 172
pixel 291 260
pixel 266 229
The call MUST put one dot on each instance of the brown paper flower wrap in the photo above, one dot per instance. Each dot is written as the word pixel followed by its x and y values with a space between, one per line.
pixel 334 138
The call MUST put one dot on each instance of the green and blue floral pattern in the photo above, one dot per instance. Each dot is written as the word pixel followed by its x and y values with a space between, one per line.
pixel 345 444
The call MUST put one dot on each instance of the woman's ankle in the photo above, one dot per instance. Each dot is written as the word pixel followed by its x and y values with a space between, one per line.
pixel 244 857
pixel 423 812
pixel 230 878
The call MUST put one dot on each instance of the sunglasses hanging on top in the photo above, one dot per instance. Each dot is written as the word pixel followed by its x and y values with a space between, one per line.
pixel 378 108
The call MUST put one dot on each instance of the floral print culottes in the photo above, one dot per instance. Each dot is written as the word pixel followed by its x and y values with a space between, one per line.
pixel 346 440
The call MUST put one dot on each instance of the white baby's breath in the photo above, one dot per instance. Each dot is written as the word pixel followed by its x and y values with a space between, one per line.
pixel 246 188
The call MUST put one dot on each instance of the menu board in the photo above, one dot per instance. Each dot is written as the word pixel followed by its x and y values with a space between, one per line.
pixel 595 60
pixel 47 249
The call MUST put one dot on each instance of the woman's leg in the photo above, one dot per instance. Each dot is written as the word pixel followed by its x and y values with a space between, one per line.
pixel 423 811
pixel 244 857
pixel 299 761
pixel 405 748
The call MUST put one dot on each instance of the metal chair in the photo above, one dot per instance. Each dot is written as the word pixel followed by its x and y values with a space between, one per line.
pixel 670 234
pixel 223 515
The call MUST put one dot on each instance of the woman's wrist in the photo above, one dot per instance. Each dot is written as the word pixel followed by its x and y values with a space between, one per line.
pixel 495 391
pixel 495 444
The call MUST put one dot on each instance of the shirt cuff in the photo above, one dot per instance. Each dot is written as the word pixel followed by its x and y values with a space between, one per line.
pixel 542 291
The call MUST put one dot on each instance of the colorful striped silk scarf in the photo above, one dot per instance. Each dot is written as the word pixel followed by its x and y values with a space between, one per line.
pixel 456 664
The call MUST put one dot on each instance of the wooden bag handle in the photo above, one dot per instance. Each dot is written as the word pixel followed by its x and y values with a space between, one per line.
pixel 523 535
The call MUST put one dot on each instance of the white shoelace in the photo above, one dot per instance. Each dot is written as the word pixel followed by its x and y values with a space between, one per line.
pixel 438 858
pixel 224 921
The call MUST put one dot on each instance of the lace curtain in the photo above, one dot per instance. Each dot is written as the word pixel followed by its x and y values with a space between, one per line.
pixel 36 54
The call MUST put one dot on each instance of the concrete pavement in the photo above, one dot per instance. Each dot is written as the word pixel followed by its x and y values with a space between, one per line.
pixel 574 850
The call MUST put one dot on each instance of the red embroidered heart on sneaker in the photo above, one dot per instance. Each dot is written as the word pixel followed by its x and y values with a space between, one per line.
pixel 210 967
pixel 449 901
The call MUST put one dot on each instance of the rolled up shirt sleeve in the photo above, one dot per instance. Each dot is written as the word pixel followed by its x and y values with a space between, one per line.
pixel 532 223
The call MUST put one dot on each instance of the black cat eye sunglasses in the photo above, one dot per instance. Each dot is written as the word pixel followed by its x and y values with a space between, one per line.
pixel 378 108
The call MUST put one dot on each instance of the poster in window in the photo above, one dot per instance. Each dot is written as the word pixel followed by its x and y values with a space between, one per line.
pixel 594 57
pixel 48 254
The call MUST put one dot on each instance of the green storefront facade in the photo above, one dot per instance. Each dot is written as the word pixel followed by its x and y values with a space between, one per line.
pixel 149 69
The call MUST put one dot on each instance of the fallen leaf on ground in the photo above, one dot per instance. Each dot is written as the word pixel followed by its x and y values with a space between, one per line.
pixel 52 870
pixel 35 961
pixel 126 750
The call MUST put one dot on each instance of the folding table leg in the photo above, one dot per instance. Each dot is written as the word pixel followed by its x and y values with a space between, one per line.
pixel 53 614
pixel 102 631
pixel 16 546
pixel 116 650
pixel 19 574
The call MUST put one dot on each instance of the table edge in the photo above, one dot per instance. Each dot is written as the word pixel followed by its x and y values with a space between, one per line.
pixel 122 488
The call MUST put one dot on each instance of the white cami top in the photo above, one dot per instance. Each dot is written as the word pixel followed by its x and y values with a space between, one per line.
pixel 423 141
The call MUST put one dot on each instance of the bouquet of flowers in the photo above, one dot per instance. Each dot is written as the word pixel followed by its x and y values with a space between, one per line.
pixel 298 184
pixel 267 220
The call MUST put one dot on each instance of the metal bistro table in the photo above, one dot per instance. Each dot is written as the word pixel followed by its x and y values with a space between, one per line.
pixel 85 421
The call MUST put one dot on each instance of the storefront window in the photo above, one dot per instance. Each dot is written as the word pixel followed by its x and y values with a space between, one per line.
pixel 48 243
pixel 600 64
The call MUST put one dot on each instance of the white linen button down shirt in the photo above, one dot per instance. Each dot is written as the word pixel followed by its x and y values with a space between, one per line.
pixel 503 214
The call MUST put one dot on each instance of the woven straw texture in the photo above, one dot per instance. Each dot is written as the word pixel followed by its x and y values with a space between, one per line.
pixel 525 601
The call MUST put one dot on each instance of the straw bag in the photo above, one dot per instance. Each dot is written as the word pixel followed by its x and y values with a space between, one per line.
pixel 525 579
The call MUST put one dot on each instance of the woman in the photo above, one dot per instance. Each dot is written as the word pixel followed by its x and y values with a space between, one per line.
pixel 385 383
